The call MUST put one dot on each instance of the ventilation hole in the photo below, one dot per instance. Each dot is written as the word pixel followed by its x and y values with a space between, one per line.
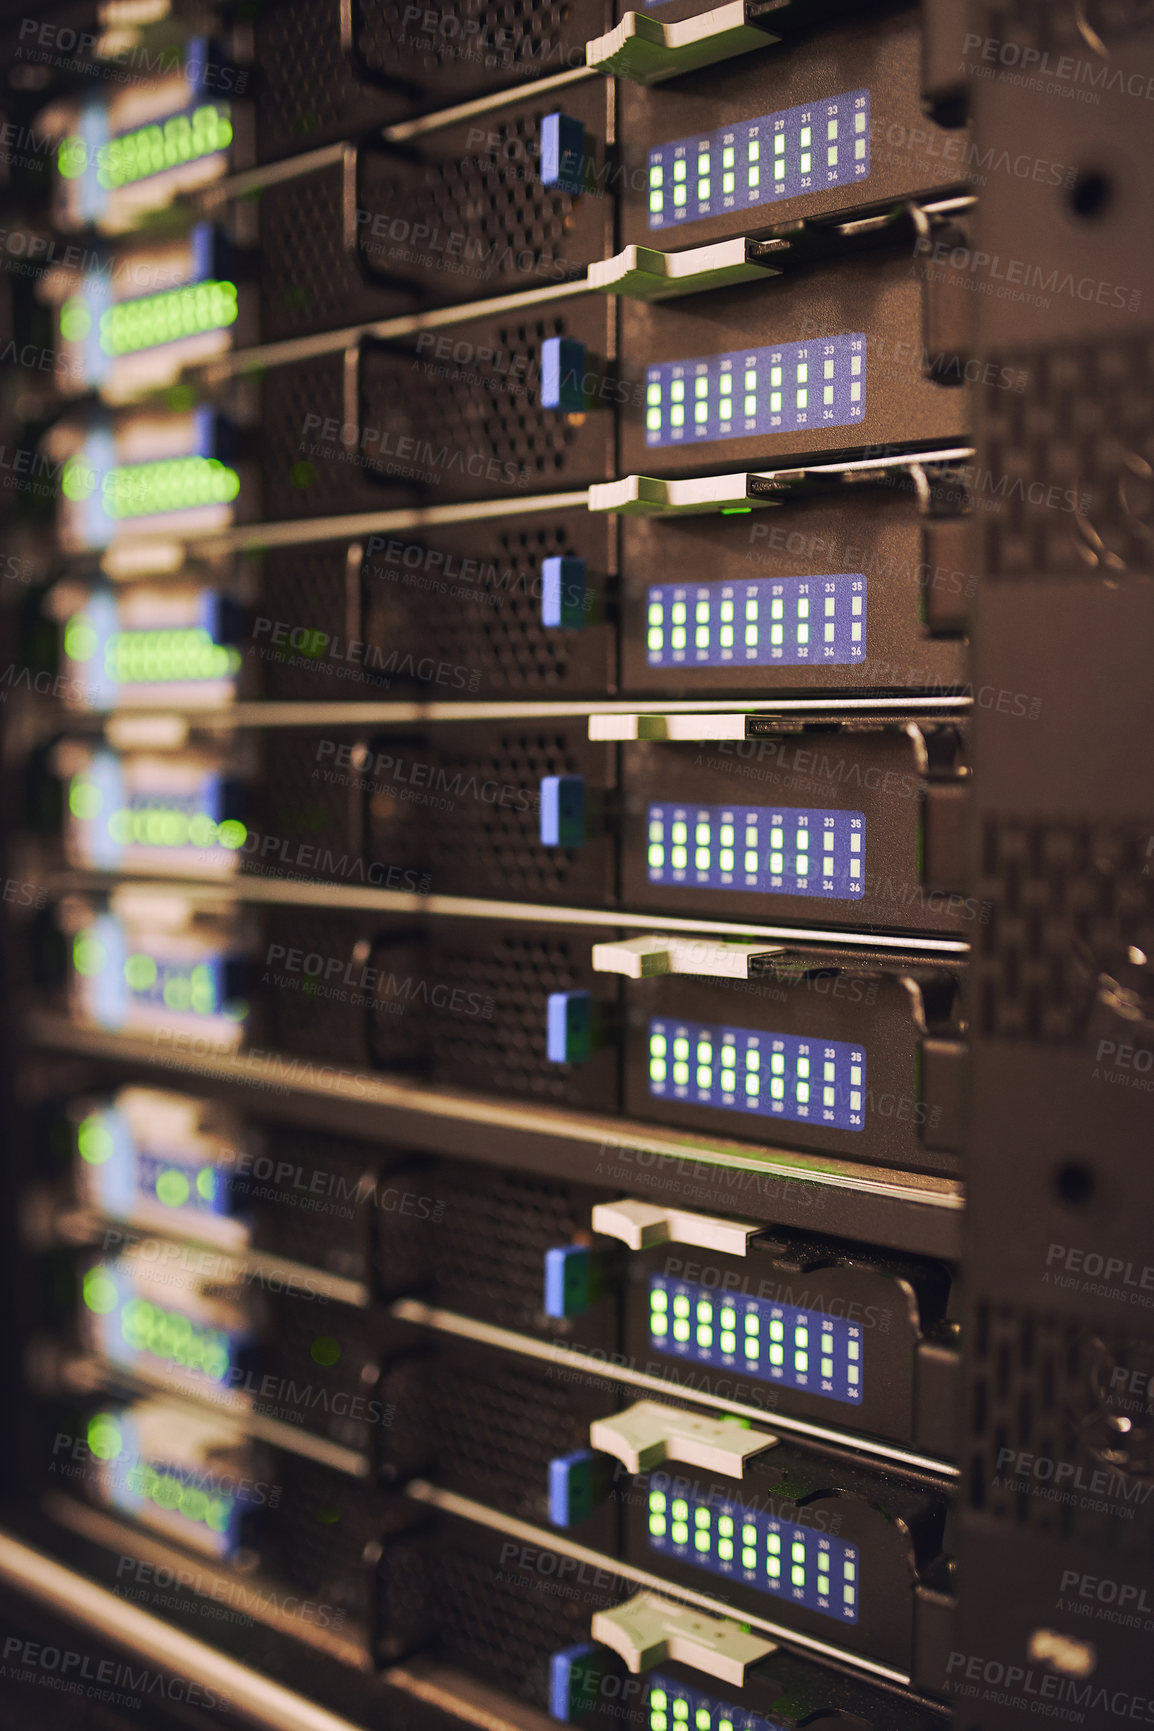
pixel 1075 1184
pixel 1090 195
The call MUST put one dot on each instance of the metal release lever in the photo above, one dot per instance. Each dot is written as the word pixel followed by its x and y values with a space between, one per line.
pixel 647 958
pixel 647 1434
pixel 643 273
pixel 641 48
pixel 647 1631
pixel 640 1225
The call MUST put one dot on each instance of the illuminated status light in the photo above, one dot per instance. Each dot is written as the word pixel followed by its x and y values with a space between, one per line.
pixel 779 1343
pixel 150 149
pixel 787 621
pixel 173 484
pixel 782 850
pixel 752 392
pixel 98 802
pixel 122 1175
pixel 761 161
pixel 792 1562
pixel 672 1706
pixel 130 1327
pixel 152 657
pixel 770 1075
pixel 129 326
pixel 156 657
pixel 194 987
pixel 172 1490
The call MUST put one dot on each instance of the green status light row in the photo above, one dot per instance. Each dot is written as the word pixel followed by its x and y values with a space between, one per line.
pixel 783 1558
pixel 795 1347
pixel 761 161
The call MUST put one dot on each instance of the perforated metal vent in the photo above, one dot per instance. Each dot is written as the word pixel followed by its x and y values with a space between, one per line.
pixel 323 1359
pixel 302 476
pixel 1072 925
pixel 486 194
pixel 307 1194
pixel 1071 463
pixel 316 1536
pixel 1045 1393
pixel 479 612
pixel 495 842
pixel 486 1622
pixel 319 1016
pixel 306 88
pixel 492 1232
pixel 475 425
pixel 493 42
pixel 307 273
pixel 490 1428
pixel 481 1015
pixel 300 618
pixel 304 824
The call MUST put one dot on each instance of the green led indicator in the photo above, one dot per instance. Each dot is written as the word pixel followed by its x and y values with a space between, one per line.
pixel 84 799
pixel 99 1292
pixel 158 657
pixel 172 1188
pixel 94 1140
pixel 77 480
pixel 72 157
pixel 88 957
pixel 164 318
pixel 140 972
pixel 174 484
pixel 152 149
pixel 104 1436
pixel 75 320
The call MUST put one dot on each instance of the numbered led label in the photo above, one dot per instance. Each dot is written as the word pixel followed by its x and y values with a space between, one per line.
pixel 809 148
pixel 799 1563
pixel 769 1075
pixel 778 1343
pixel 750 392
pixel 768 850
pixel 772 621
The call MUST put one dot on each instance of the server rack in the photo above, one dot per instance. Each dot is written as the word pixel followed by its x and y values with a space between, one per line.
pixel 576 922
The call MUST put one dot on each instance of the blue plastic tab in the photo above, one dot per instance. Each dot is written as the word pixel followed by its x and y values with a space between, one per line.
pixel 567 1280
pixel 575 1482
pixel 562 152
pixel 570 1027
pixel 571 1688
pixel 562 810
pixel 563 374
pixel 563 593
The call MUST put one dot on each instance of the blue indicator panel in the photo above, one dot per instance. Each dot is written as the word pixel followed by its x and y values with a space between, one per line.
pixel 772 621
pixel 672 1706
pixel 132 1330
pixel 758 162
pixel 792 1562
pixel 788 850
pixel 756 391
pixel 772 1342
pixel 122 1176
pixel 771 1075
